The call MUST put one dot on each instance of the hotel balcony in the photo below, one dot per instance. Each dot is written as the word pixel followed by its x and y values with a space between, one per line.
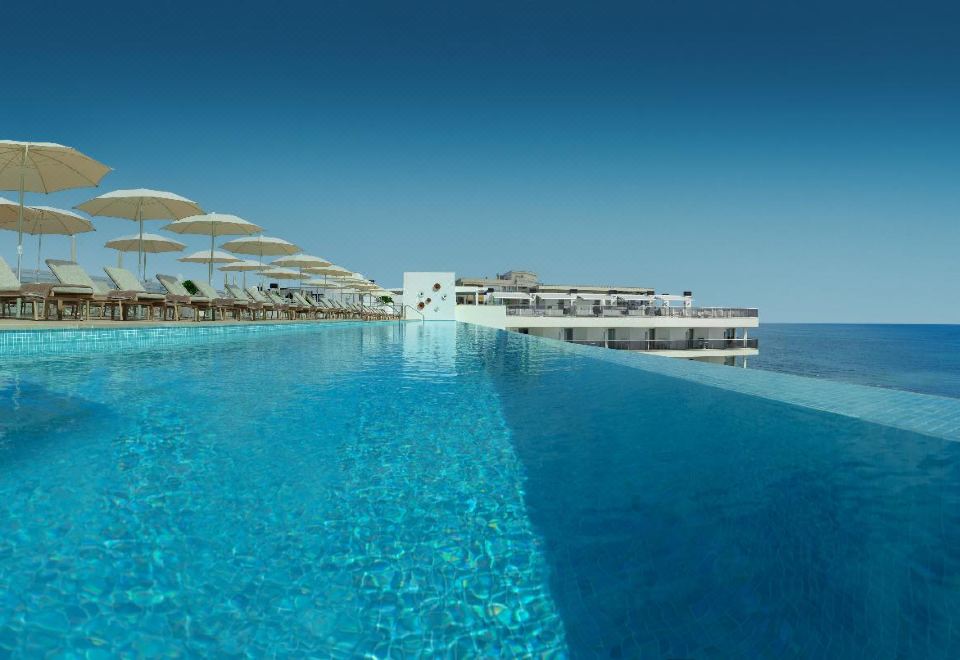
pixel 620 311
pixel 671 344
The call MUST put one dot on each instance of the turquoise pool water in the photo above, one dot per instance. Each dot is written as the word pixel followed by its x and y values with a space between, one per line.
pixel 450 490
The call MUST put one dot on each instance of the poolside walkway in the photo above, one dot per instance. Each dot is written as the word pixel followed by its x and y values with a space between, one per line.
pixel 30 324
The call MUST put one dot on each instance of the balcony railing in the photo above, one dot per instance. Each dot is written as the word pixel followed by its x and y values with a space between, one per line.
pixel 621 311
pixel 670 344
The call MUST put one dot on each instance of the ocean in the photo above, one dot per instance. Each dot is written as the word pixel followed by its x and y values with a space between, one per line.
pixel 917 358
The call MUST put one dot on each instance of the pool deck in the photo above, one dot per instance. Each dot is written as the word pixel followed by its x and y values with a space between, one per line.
pixel 30 324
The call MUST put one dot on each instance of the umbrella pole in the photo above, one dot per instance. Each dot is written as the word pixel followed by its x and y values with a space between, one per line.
pixel 36 275
pixel 141 262
pixel 23 171
pixel 20 216
pixel 213 233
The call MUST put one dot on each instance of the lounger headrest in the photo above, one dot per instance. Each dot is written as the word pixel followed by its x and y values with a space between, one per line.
pixel 124 279
pixel 172 285
pixel 8 279
pixel 70 273
pixel 206 290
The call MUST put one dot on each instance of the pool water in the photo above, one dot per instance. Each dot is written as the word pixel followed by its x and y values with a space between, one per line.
pixel 448 490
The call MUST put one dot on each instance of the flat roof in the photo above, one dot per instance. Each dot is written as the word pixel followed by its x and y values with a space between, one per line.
pixel 555 288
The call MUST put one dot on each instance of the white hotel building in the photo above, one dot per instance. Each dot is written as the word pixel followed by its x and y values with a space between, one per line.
pixel 616 317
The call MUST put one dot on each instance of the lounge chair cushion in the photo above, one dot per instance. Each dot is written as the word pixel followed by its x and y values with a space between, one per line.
pixel 257 295
pixel 207 291
pixel 72 290
pixel 173 285
pixel 124 279
pixel 69 273
pixel 8 279
pixel 238 293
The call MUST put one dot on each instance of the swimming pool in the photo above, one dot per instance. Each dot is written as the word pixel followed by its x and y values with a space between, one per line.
pixel 443 489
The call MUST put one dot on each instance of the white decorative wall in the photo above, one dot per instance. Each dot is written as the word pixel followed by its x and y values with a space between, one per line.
pixel 431 294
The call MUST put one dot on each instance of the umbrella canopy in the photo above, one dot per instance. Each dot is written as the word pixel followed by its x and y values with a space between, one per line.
pixel 261 246
pixel 301 261
pixel 139 204
pixel 327 272
pixel 320 284
pixel 44 167
pixel 213 225
pixel 243 265
pixel 152 243
pixel 204 257
pixel 220 224
pixel 147 243
pixel 283 274
pixel 331 270
pixel 9 212
pixel 41 220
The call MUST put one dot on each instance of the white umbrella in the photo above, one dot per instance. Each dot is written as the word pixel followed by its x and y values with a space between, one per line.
pixel 260 246
pixel 282 274
pixel 50 220
pixel 301 261
pixel 148 243
pixel 320 284
pixel 40 220
pixel 327 271
pixel 9 213
pixel 204 257
pixel 214 224
pixel 243 266
pixel 44 167
pixel 139 204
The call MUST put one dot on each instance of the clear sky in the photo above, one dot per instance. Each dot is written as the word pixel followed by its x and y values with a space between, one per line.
pixel 802 157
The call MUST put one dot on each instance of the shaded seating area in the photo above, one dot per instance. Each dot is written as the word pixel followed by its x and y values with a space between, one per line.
pixel 15 297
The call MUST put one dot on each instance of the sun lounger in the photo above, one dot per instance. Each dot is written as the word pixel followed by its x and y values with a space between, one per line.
pixel 221 303
pixel 307 303
pixel 345 310
pixel 179 295
pixel 126 281
pixel 268 305
pixel 244 301
pixel 18 295
pixel 78 290
pixel 291 308
pixel 332 309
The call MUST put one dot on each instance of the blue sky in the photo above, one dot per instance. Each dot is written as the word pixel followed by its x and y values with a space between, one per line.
pixel 802 157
